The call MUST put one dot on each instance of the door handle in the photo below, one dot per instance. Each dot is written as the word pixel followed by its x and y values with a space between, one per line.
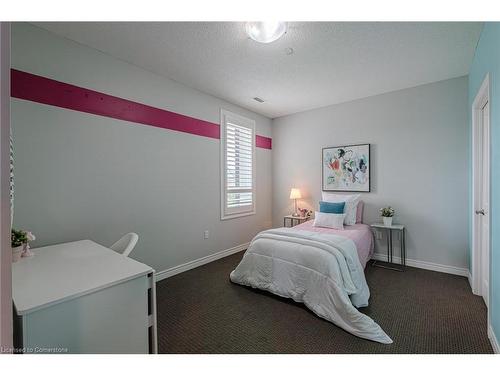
pixel 480 212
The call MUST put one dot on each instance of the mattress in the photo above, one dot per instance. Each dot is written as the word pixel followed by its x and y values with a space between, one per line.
pixel 360 234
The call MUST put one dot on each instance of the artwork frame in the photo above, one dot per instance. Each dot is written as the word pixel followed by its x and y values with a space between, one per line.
pixel 337 175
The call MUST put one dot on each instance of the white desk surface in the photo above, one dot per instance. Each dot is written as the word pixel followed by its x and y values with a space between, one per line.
pixel 62 272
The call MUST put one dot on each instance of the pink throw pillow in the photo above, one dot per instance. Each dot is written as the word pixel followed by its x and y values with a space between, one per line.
pixel 359 212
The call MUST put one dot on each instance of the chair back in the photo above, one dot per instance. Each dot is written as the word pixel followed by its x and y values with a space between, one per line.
pixel 125 244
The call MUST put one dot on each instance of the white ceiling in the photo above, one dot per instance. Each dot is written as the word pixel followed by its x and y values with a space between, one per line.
pixel 332 62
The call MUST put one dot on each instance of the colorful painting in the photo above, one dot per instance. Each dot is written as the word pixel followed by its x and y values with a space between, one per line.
pixel 346 168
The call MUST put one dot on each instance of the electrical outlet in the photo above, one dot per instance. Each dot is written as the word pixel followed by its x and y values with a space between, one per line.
pixel 206 234
pixel 379 235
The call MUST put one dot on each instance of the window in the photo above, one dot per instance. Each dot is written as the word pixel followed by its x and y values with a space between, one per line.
pixel 237 165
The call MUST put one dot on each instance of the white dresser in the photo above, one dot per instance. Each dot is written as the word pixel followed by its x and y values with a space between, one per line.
pixel 81 297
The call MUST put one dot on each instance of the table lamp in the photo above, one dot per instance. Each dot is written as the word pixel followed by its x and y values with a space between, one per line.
pixel 295 194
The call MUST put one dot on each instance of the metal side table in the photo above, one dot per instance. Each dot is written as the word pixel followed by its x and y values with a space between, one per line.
pixel 294 220
pixel 388 230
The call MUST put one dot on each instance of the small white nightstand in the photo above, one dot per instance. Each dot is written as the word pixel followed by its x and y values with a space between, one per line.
pixel 294 220
pixel 389 229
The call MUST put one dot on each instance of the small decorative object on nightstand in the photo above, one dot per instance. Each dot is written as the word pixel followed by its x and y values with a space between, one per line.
pixel 294 220
pixel 304 212
pixel 402 241
pixel 387 213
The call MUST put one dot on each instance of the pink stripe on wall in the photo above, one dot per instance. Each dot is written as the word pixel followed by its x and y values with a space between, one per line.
pixel 263 142
pixel 44 90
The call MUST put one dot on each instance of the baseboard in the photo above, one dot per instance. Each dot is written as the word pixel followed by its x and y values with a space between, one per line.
pixel 377 256
pixel 425 265
pixel 199 262
pixel 493 340
pixel 469 277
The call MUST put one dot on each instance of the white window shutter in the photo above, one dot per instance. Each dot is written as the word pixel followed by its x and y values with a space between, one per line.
pixel 237 165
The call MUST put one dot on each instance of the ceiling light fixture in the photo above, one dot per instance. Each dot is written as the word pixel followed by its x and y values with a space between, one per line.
pixel 265 32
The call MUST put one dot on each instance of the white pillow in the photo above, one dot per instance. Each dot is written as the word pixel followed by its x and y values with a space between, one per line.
pixel 351 204
pixel 325 220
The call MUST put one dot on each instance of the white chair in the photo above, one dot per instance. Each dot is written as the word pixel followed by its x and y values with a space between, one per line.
pixel 125 244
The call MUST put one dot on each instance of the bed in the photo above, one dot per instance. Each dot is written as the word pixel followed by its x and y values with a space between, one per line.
pixel 361 234
pixel 320 267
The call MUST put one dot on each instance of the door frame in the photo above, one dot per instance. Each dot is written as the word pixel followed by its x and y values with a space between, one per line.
pixel 482 97
pixel 5 218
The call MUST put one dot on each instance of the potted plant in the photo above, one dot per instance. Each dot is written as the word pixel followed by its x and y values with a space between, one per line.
pixel 387 214
pixel 18 239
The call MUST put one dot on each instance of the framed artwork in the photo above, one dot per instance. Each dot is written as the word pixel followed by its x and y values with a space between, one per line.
pixel 346 168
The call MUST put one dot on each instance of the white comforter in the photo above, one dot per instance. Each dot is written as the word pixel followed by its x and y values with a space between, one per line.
pixel 321 270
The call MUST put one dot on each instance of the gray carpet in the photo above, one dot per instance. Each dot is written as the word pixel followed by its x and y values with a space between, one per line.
pixel 201 311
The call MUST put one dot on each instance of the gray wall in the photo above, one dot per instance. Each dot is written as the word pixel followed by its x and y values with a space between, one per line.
pixel 85 176
pixel 418 140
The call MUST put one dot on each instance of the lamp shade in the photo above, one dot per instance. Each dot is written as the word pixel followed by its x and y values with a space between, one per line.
pixel 295 194
pixel 265 32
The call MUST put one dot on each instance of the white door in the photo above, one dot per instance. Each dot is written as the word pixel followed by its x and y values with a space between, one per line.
pixel 481 154
pixel 484 210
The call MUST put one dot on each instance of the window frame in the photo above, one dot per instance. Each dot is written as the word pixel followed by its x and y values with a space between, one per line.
pixel 250 124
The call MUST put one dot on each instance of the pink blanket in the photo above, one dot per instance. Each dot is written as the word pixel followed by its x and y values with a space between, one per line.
pixel 361 235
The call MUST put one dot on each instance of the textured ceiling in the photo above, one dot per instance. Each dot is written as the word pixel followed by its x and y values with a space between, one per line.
pixel 332 62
